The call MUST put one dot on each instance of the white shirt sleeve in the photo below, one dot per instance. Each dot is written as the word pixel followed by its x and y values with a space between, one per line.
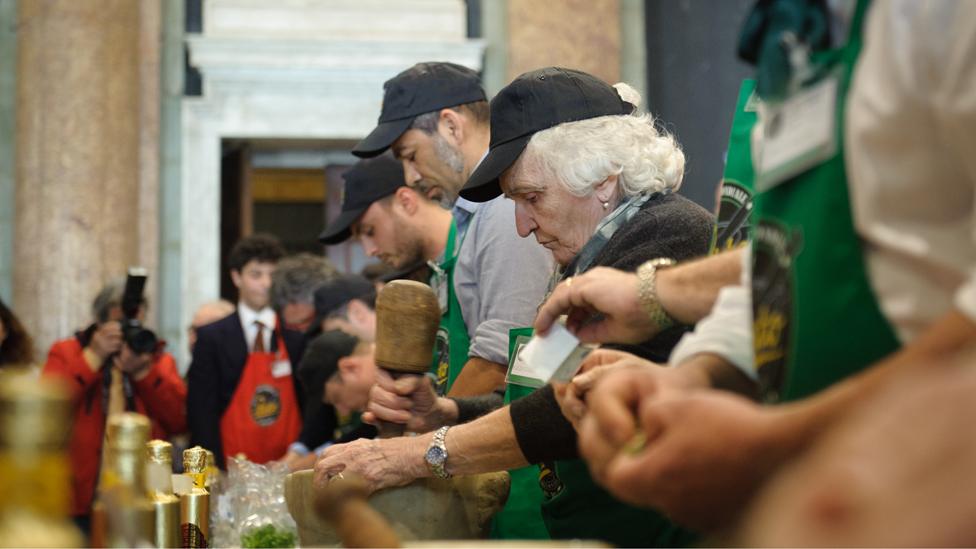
pixel 727 330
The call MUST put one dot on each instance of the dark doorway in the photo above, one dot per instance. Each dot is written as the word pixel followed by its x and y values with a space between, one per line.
pixel 288 188
pixel 693 80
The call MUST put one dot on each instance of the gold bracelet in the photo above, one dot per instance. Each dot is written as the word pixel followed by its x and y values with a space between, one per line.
pixel 647 292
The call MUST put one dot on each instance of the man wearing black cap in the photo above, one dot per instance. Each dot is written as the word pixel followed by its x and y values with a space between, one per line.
pixel 532 429
pixel 435 120
pixel 392 221
pixel 344 318
pixel 401 226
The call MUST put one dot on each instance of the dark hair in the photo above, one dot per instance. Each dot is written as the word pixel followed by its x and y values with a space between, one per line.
pixel 369 298
pixel 260 247
pixel 297 277
pixel 17 348
pixel 342 311
pixel 427 122
pixel 375 271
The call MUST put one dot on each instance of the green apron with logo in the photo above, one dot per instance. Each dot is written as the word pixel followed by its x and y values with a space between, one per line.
pixel 581 509
pixel 574 506
pixel 732 226
pixel 451 346
pixel 520 518
pixel 816 319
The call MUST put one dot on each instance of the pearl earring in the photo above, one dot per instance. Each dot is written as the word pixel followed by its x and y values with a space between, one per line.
pixel 606 205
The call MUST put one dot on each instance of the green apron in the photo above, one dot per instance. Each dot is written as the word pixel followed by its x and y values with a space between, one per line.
pixel 520 518
pixel 451 346
pixel 815 316
pixel 575 507
pixel 732 228
pixel 581 509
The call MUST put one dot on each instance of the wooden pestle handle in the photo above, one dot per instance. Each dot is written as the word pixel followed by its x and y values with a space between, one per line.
pixel 343 503
pixel 407 318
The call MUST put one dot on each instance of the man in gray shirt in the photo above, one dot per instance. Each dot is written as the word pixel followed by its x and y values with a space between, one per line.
pixel 435 119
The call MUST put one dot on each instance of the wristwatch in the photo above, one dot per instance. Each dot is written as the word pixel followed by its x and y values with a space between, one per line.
pixel 436 455
pixel 647 292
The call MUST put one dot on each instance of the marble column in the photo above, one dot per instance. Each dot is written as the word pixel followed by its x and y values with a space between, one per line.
pixel 87 136
pixel 577 34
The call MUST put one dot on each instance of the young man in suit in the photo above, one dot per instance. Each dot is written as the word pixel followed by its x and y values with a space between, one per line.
pixel 243 396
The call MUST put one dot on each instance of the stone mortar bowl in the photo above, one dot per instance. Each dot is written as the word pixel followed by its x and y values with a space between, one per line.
pixel 429 509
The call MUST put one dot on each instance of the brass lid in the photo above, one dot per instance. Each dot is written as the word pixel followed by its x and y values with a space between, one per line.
pixel 194 459
pixel 127 431
pixel 210 459
pixel 159 451
pixel 34 413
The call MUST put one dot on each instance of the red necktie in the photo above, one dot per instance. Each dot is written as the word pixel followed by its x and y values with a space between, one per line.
pixel 259 339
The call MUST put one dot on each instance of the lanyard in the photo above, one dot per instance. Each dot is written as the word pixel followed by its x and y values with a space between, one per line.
pixel 608 226
pixel 440 279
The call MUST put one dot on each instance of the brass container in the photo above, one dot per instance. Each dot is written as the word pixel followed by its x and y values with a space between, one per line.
pixel 407 317
pixel 213 474
pixel 127 508
pixel 195 505
pixel 34 473
pixel 34 415
pixel 166 506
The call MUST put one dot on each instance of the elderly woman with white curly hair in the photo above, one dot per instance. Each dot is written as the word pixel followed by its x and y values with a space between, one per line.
pixel 594 182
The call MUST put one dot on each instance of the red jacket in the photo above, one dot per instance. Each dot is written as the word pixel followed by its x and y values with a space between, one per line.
pixel 161 396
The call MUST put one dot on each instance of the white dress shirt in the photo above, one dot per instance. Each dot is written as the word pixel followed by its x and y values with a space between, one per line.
pixel 249 317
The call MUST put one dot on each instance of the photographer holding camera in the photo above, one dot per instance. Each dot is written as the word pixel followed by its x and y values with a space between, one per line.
pixel 112 366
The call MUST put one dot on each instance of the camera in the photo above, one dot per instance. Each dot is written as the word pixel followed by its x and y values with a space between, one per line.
pixel 138 338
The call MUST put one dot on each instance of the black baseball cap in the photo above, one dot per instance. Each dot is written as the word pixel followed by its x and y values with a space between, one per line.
pixel 533 102
pixel 423 88
pixel 336 292
pixel 366 182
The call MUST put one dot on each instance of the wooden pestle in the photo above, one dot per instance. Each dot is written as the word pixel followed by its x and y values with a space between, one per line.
pixel 407 318
pixel 343 502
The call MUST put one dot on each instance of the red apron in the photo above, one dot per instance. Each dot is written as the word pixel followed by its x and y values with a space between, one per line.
pixel 263 417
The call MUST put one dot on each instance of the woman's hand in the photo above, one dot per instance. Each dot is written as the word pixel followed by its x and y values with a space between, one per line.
pixel 603 306
pixel 383 463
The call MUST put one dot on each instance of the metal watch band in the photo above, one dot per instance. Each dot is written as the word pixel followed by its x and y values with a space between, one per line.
pixel 647 292
pixel 437 446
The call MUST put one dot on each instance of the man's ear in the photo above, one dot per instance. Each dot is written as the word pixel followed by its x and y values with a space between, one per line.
pixel 346 366
pixel 406 198
pixel 235 277
pixel 355 310
pixel 451 126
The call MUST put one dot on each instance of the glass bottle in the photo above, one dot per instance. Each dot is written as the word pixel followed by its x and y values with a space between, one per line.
pixel 195 505
pixel 35 486
pixel 159 482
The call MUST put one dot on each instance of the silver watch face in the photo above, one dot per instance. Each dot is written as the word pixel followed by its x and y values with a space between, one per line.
pixel 436 455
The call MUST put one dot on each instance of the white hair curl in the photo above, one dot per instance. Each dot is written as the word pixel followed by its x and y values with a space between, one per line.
pixel 582 154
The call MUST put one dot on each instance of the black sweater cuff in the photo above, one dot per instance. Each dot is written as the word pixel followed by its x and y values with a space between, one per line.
pixel 543 433
pixel 470 408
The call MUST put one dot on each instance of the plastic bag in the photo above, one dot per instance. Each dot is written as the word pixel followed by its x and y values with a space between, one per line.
pixel 250 509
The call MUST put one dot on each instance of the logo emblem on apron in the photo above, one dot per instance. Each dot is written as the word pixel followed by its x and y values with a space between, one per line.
pixel 265 405
pixel 732 224
pixel 549 481
pixel 772 301
pixel 442 356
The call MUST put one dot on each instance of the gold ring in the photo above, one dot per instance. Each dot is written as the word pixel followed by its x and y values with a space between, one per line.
pixel 569 282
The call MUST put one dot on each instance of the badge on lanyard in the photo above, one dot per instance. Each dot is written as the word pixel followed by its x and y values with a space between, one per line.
pixel 555 356
pixel 440 281
pixel 281 368
pixel 796 134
